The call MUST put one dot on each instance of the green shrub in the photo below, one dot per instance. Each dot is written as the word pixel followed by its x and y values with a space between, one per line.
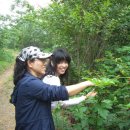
pixel 6 58
pixel 110 108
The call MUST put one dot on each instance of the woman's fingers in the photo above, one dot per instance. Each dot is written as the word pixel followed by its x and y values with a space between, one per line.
pixel 91 94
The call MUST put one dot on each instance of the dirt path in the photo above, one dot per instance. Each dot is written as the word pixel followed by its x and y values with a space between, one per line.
pixel 7 120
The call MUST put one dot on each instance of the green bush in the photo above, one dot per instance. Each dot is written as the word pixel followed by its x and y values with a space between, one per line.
pixel 6 58
pixel 110 109
pixel 6 55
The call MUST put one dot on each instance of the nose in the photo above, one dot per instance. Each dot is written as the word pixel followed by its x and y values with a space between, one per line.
pixel 64 64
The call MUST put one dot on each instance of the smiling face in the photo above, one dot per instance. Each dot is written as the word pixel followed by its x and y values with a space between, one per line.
pixel 37 67
pixel 61 67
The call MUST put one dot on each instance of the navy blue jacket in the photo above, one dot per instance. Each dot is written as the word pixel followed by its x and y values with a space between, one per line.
pixel 32 100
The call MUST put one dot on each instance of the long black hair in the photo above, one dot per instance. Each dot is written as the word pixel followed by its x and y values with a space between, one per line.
pixel 20 69
pixel 58 56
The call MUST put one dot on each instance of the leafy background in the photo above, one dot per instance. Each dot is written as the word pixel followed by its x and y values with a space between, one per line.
pixel 97 36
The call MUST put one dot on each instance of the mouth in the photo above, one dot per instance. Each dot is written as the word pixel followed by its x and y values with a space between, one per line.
pixel 62 70
pixel 44 68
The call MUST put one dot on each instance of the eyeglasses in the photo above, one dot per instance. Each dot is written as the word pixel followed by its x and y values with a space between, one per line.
pixel 44 61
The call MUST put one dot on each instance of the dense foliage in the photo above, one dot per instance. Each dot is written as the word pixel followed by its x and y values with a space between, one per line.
pixel 97 36
pixel 110 109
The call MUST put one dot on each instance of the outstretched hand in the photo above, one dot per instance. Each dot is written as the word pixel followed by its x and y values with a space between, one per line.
pixel 87 83
pixel 91 94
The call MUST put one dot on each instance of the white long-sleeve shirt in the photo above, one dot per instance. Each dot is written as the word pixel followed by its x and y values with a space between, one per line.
pixel 54 80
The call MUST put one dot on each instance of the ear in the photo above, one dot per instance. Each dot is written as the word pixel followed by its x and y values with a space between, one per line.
pixel 29 63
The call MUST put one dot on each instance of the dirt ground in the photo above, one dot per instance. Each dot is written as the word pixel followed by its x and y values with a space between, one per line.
pixel 7 119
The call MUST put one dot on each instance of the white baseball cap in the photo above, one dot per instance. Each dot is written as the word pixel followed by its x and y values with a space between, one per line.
pixel 32 52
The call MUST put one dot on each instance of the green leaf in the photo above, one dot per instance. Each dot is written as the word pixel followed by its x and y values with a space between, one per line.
pixel 128 106
pixel 103 112
pixel 107 104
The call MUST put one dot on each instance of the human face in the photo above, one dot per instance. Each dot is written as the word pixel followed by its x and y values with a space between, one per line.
pixel 61 67
pixel 37 67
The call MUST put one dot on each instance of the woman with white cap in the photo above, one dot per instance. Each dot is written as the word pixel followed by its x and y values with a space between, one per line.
pixel 31 97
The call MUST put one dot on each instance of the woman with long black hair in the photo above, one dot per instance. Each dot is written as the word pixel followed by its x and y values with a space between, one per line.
pixel 57 72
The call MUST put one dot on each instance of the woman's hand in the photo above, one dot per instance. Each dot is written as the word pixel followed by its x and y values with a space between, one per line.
pixel 91 94
pixel 76 88
pixel 87 83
